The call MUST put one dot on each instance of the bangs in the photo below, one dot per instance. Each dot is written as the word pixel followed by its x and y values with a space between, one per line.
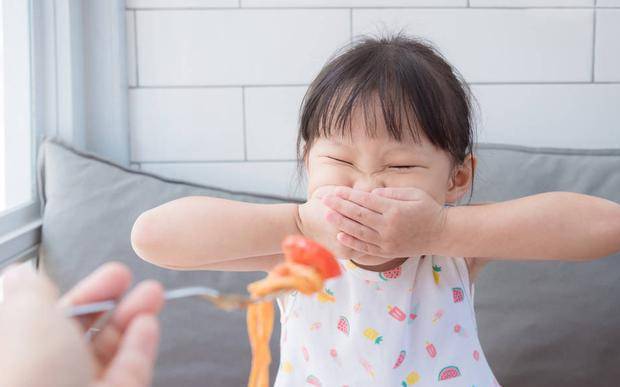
pixel 399 80
pixel 384 101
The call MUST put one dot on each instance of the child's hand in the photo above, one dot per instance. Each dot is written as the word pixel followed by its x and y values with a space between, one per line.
pixel 312 224
pixel 387 222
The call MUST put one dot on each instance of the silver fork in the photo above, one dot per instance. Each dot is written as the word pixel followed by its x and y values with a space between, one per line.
pixel 225 301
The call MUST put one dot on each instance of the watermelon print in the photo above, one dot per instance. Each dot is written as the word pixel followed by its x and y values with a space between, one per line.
pixel 343 325
pixel 391 274
pixel 402 335
pixel 457 295
pixel 313 380
pixel 449 372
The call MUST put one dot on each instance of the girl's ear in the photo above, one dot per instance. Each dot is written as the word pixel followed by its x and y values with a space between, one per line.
pixel 461 179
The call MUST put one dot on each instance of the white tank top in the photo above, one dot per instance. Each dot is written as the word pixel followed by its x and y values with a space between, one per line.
pixel 412 325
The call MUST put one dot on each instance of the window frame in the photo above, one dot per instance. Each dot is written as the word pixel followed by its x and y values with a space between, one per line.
pixel 20 226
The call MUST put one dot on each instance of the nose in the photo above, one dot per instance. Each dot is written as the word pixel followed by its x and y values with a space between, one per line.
pixel 367 183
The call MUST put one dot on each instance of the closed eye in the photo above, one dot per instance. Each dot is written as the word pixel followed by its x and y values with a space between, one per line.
pixel 403 166
pixel 341 161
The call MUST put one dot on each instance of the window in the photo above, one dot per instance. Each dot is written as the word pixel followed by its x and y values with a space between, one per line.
pixel 16 188
pixel 19 208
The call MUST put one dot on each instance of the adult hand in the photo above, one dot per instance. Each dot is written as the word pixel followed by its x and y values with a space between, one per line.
pixel 40 346
pixel 386 222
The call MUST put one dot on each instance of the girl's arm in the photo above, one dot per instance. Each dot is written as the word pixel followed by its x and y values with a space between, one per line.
pixel 200 232
pixel 399 222
pixel 552 225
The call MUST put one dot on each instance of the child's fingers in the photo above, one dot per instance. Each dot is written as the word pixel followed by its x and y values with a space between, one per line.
pixel 375 203
pixel 358 245
pixel 403 193
pixel 353 228
pixel 353 211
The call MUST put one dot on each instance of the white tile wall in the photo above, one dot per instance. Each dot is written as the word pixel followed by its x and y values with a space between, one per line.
pixel 132 68
pixel 608 3
pixel 154 4
pixel 531 3
pixel 276 178
pixel 271 117
pixel 217 84
pixel 353 3
pixel 186 124
pixel 238 47
pixel 550 115
pixel 506 45
pixel 608 45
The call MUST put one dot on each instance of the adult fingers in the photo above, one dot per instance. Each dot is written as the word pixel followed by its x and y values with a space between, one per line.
pixel 133 364
pixel 22 279
pixel 146 298
pixel 108 282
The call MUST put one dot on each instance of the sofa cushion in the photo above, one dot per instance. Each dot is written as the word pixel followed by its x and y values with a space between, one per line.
pixel 540 323
pixel 90 206
pixel 549 323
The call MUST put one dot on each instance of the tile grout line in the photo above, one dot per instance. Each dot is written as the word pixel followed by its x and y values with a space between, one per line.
pixel 363 8
pixel 245 136
pixel 594 12
pixel 306 85
pixel 212 161
pixel 135 46
pixel 351 25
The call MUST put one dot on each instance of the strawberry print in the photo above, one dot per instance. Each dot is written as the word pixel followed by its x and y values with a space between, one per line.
pixel 457 295
pixel 315 326
pixel 476 355
pixel 305 353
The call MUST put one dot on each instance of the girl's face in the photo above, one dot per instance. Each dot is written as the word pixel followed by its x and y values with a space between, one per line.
pixel 365 163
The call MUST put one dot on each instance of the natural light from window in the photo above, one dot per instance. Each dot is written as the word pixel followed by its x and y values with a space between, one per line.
pixel 16 164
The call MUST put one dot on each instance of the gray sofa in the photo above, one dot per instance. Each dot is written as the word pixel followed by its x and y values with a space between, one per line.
pixel 541 324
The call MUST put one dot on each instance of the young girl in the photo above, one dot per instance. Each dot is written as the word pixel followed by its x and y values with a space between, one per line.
pixel 386 138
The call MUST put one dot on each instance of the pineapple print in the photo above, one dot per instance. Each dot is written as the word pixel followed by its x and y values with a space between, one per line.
pixel 373 335
pixel 436 270
pixel 326 296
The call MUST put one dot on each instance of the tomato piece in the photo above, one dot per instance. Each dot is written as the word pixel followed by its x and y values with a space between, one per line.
pixel 305 251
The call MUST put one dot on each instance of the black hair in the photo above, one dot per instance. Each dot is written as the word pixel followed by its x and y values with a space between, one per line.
pixel 413 83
